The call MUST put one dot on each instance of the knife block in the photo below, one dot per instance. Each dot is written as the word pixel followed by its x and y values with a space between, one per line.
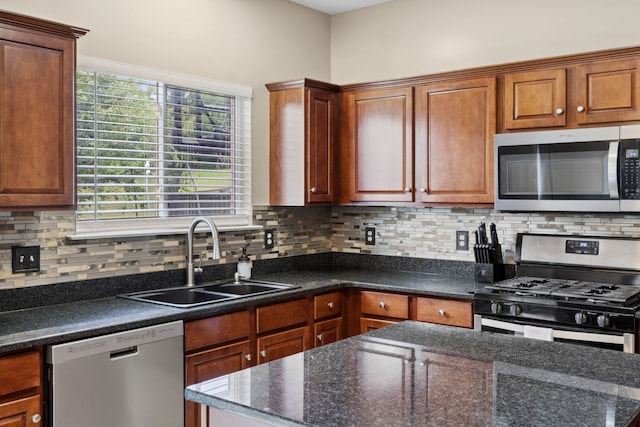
pixel 489 273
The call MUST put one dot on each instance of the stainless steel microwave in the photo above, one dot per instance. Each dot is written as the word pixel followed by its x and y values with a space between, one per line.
pixel 586 170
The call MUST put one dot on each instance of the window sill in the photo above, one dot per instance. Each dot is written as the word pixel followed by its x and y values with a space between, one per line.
pixel 109 234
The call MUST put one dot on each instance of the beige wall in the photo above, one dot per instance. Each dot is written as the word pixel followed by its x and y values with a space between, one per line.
pixel 249 42
pixel 405 38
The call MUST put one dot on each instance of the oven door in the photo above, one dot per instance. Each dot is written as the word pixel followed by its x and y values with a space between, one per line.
pixel 621 342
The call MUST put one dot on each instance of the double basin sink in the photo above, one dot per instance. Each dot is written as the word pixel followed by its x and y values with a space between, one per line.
pixel 186 297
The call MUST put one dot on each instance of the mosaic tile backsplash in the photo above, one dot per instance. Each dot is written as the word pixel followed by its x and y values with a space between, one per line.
pixel 400 231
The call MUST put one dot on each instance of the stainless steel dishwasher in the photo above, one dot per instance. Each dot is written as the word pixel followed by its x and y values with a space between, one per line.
pixel 127 379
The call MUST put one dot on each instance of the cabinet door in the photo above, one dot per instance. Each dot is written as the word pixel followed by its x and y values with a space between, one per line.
pixel 328 331
pixel 455 124
pixel 282 344
pixel 608 91
pixel 211 364
pixel 302 133
pixel 37 157
pixel 535 99
pixel 320 159
pixel 379 138
pixel 21 413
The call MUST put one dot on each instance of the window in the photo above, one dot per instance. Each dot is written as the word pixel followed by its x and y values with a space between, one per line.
pixel 164 148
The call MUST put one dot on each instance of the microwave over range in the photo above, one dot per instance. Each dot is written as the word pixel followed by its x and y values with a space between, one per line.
pixel 586 170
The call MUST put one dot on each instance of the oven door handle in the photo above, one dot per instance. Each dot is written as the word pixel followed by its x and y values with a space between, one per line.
pixel 626 340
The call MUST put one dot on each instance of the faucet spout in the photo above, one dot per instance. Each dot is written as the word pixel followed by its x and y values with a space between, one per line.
pixel 216 246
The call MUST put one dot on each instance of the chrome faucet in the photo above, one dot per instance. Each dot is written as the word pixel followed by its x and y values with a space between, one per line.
pixel 216 246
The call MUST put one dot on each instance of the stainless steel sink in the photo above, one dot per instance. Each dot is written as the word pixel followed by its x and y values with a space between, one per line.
pixel 186 297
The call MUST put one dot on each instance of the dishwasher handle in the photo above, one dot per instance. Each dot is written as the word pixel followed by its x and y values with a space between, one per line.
pixel 124 353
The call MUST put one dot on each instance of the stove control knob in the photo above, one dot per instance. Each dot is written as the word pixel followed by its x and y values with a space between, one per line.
pixel 581 318
pixel 603 320
pixel 515 310
pixel 496 307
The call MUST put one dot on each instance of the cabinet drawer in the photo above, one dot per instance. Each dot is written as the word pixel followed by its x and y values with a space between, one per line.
pixel 383 304
pixel 445 312
pixel 281 315
pixel 327 305
pixel 216 330
pixel 19 372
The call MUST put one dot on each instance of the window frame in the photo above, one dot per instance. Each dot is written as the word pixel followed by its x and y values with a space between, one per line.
pixel 169 225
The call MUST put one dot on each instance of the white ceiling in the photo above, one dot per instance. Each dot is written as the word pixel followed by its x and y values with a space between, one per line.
pixel 331 7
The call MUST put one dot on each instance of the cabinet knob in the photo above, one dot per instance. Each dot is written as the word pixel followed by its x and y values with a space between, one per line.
pixel 263 353
pixel 36 418
pixel 330 305
pixel 423 190
pixel 382 304
pixel 559 111
pixel 441 312
pixel 248 356
pixel 580 109
pixel 320 337
pixel 314 189
pixel 407 190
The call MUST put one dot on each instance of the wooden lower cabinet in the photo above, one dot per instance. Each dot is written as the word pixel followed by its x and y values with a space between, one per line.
pixel 21 412
pixel 445 312
pixel 283 344
pixel 214 346
pixel 327 331
pixel 21 389
pixel 211 364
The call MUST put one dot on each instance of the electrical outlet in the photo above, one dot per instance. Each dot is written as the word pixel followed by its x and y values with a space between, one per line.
pixel 25 259
pixel 269 239
pixel 370 235
pixel 462 240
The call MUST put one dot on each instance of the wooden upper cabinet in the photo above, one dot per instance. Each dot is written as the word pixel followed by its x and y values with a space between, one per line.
pixel 378 146
pixel 37 123
pixel 303 117
pixel 535 99
pixel 455 125
pixel 608 91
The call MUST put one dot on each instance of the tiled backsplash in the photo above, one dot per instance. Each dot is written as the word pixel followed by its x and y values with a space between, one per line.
pixel 408 232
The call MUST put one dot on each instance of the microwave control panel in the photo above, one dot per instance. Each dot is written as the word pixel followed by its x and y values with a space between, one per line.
pixel 629 169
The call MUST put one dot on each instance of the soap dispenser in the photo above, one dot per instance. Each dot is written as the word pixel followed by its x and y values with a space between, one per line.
pixel 244 264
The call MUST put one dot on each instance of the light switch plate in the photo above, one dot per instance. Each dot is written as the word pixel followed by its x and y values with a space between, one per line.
pixel 25 259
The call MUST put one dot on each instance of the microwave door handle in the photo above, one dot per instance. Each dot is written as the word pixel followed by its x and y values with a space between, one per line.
pixel 613 170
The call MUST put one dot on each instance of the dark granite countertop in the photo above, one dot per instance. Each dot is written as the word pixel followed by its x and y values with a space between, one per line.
pixel 49 324
pixel 421 374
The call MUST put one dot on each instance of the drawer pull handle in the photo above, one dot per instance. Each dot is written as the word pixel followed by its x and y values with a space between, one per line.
pixel 441 312
pixel 330 305
pixel 248 356
pixel 580 109
pixel 320 337
pixel 383 305
pixel 36 418
pixel 313 190
pixel 263 353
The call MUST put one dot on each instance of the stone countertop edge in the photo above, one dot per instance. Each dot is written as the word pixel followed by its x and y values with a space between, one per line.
pixel 52 324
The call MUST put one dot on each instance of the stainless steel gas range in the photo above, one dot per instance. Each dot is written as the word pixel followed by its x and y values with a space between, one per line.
pixel 581 289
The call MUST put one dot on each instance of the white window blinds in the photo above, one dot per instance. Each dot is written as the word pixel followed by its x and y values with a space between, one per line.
pixel 148 149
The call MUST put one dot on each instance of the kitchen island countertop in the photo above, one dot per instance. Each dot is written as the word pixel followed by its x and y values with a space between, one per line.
pixel 421 374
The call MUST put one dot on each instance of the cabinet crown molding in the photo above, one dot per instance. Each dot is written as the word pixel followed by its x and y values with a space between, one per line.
pixel 10 19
